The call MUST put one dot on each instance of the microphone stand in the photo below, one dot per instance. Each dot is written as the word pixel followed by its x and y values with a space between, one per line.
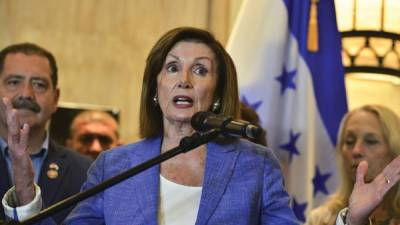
pixel 186 144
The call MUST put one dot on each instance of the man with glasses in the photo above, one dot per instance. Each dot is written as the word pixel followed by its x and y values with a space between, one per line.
pixel 92 132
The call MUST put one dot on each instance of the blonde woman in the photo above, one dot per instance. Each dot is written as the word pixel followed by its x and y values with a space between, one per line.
pixel 368 153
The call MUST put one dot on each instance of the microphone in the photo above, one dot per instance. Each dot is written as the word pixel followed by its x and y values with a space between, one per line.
pixel 204 121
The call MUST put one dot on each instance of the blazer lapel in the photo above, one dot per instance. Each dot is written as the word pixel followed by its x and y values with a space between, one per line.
pixel 50 185
pixel 219 168
pixel 148 183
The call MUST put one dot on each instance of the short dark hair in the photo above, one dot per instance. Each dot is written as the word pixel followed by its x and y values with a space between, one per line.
pixel 226 91
pixel 31 49
pixel 250 115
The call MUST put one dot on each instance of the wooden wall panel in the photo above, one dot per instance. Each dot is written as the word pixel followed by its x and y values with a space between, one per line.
pixel 382 90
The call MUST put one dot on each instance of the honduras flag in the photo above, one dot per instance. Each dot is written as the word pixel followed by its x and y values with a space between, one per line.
pixel 288 57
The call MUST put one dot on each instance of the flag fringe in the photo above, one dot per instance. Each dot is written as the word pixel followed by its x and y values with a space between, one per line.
pixel 312 38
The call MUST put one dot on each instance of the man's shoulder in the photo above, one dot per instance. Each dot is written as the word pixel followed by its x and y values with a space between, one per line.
pixel 68 154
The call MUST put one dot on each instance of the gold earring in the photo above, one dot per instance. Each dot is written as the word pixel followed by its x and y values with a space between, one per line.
pixel 216 106
pixel 155 100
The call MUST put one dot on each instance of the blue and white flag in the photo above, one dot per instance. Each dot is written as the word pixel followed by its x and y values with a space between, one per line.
pixel 299 95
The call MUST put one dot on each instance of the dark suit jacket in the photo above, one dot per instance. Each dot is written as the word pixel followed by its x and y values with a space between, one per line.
pixel 71 175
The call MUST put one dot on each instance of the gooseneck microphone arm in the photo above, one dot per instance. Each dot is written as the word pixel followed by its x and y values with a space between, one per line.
pixel 185 145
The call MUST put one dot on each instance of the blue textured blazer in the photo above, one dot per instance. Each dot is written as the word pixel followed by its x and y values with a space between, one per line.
pixel 243 184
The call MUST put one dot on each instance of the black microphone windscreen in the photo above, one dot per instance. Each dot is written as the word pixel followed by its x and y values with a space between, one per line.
pixel 198 119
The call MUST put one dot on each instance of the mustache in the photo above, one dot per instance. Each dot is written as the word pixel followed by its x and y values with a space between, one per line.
pixel 26 103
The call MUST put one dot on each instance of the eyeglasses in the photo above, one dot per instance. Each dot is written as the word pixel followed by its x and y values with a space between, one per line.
pixel 87 139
